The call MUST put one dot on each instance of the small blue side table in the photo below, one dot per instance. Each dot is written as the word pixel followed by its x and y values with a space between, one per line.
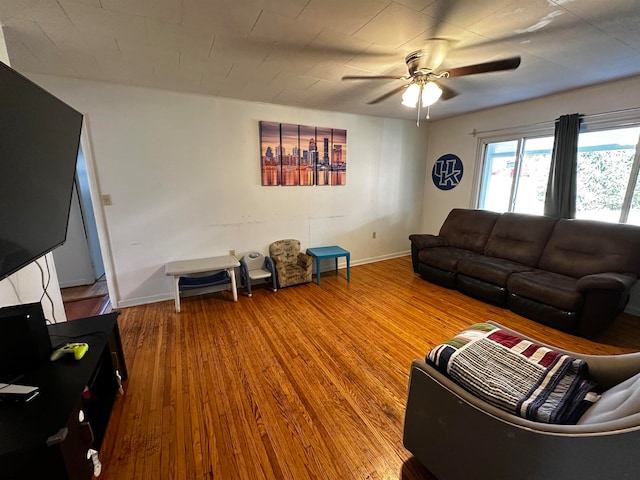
pixel 320 253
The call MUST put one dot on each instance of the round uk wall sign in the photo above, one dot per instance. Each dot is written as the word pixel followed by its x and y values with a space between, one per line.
pixel 447 172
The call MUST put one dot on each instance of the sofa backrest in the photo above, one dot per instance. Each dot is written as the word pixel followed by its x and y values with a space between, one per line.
pixel 583 247
pixel 468 229
pixel 520 237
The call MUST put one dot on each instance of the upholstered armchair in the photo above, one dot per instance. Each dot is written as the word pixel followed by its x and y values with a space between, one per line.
pixel 292 266
pixel 459 436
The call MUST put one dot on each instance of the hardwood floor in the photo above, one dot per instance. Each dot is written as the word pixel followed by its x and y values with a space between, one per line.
pixel 86 300
pixel 97 289
pixel 308 382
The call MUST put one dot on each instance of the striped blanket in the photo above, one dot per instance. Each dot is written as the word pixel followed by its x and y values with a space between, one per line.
pixel 516 375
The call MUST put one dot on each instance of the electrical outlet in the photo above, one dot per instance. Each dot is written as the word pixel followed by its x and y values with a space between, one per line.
pixel 106 200
pixel 373 235
pixel 232 253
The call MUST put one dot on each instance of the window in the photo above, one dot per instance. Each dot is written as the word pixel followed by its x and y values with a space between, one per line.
pixel 634 211
pixel 515 175
pixel 607 185
pixel 515 170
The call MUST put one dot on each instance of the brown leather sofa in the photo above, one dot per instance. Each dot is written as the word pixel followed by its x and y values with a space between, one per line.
pixel 574 275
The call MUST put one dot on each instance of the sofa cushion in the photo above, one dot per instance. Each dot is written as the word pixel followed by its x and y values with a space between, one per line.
pixel 490 269
pixel 547 287
pixel 445 258
pixel 582 247
pixel 468 229
pixel 520 237
pixel 565 320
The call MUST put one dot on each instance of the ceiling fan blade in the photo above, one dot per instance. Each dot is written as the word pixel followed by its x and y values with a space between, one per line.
pixel 447 93
pixel 373 77
pixel 494 66
pixel 438 49
pixel 387 95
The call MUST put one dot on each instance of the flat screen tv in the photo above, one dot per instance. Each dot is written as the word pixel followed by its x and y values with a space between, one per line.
pixel 39 140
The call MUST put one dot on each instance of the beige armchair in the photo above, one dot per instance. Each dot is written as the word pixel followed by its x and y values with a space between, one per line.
pixel 292 266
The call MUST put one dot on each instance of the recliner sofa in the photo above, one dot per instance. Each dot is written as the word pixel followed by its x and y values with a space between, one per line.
pixel 573 275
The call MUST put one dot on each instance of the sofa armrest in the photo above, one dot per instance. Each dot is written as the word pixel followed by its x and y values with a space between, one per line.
pixel 305 261
pixel 426 240
pixel 606 281
pixel 280 264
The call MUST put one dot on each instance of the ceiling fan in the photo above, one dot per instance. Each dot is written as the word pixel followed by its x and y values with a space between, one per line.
pixel 425 87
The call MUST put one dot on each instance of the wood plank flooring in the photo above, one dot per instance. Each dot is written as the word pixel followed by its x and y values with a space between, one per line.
pixel 308 382
pixel 97 289
pixel 86 300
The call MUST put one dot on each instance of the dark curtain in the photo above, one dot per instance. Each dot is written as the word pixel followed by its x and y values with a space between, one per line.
pixel 560 201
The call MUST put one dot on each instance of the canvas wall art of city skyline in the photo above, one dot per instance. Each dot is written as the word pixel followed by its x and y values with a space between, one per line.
pixel 293 155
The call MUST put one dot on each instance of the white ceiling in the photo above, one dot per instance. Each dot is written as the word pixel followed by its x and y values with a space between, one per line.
pixel 294 52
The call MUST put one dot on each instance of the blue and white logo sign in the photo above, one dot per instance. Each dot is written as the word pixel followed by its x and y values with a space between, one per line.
pixel 447 172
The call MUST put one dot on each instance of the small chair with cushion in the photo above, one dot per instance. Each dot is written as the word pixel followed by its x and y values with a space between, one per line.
pixel 293 267
pixel 255 266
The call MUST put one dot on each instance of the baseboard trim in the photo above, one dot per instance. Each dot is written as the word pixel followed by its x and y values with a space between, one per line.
pixel 134 302
pixel 380 258
pixel 342 263
pixel 77 282
pixel 327 265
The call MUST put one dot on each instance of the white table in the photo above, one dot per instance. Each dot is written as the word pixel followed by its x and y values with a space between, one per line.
pixel 184 268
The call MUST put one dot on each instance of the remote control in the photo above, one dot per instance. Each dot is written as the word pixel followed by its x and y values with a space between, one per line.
pixel 78 350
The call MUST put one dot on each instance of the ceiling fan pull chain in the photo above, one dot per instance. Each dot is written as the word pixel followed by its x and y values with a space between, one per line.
pixel 419 105
pixel 428 112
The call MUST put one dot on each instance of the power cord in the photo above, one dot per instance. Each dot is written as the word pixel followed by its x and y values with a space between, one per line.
pixel 67 338
pixel 45 287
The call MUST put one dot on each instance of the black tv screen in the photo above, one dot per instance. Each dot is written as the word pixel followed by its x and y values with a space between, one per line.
pixel 39 140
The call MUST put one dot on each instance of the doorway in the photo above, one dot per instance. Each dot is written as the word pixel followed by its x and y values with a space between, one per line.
pixel 79 261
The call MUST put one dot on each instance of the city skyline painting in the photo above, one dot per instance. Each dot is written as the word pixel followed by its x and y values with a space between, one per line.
pixel 290 154
pixel 269 144
pixel 293 155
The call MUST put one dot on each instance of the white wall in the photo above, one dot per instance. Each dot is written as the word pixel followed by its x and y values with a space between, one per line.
pixel 73 262
pixel 183 172
pixel 4 55
pixel 453 136
pixel 27 285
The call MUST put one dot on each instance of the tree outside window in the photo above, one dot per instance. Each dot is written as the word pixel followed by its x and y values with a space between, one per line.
pixel 605 173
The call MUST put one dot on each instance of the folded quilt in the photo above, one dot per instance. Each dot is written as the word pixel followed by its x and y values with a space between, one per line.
pixel 516 375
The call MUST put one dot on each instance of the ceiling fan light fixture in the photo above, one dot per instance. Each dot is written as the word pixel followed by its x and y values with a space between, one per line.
pixel 411 95
pixel 431 92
